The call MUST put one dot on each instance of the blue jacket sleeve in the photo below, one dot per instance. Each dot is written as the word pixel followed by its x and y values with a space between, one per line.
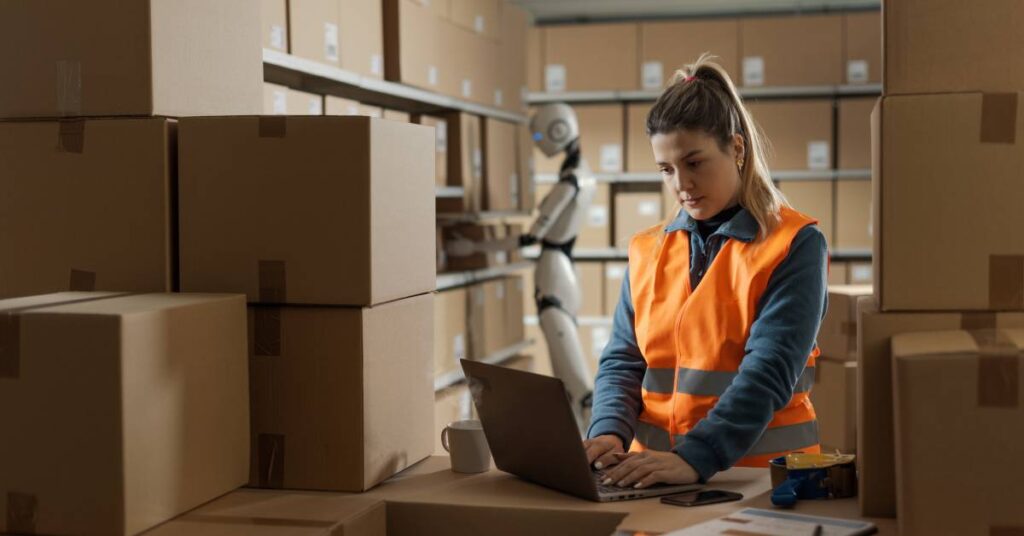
pixel 780 340
pixel 620 373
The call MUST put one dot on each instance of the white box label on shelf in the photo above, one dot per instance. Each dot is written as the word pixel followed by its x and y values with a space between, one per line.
pixel 499 98
pixel 459 347
pixel 330 41
pixel 501 257
pixel 554 77
pixel 441 136
pixel 478 23
pixel 478 163
pixel 818 155
pixel 432 75
pixel 315 106
pixel 615 272
pixel 513 188
pixel 653 75
pixel 860 273
pixel 467 88
pixel 597 216
pixel 280 102
pixel 753 71
pixel 648 208
pixel 856 71
pixel 611 157
pixel 377 64
pixel 277 36
pixel 599 337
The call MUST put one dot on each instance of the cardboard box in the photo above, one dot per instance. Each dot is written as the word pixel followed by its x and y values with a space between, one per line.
pixel 470 64
pixel 476 323
pixel 172 58
pixel 538 351
pixel 515 292
pixel 411 44
pixel 315 34
pixel 324 383
pixel 862 47
pixel 927 40
pixel 275 99
pixel 452 404
pixel 853 215
pixel 248 512
pixel 921 189
pixel 526 196
pixel 854 150
pixel 339 106
pixel 791 50
pixel 590 57
pixel 861 273
pixel 495 311
pixel 450 339
pixel 601 140
pixel 875 443
pixel 838 272
pixel 501 178
pixel 481 232
pixel 277 208
pixel 465 162
pixel 440 127
pixel 590 275
pixel 837 336
pixel 954 391
pixel 396 115
pixel 594 337
pixel 361 37
pixel 639 155
pixel 128 409
pixel 87 205
pixel 595 230
pixel 480 16
pixel 513 50
pixel 634 212
pixel 614 274
pixel 302 103
pixel 274 16
pixel 535 58
pixel 667 46
pixel 458 511
pixel 834 397
pixel 800 133
pixel 813 198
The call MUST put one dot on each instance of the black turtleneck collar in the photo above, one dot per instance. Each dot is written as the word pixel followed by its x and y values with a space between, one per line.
pixel 710 225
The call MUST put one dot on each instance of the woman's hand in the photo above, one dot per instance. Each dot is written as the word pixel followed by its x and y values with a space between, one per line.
pixel 602 450
pixel 643 469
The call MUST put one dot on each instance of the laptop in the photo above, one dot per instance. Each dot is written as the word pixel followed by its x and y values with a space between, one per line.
pixel 532 433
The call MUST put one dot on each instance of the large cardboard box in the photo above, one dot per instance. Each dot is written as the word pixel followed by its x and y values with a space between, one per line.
pixel 875 443
pixel 274 15
pixel 590 57
pixel 440 127
pixel 853 215
pixel 590 275
pixel 800 132
pixel 397 115
pixel 476 324
pixel 837 336
pixel 614 274
pixel 412 43
pixel 495 313
pixel 814 198
pixel 278 208
pixel 275 99
pixel 634 212
pixel 501 178
pixel 862 47
pixel 341 396
pixel 465 162
pixel 525 197
pixel 927 40
pixel 450 339
pixel 122 411
pixel 923 191
pixel 595 230
pixel 303 103
pixel 515 311
pixel 513 50
pixel 470 64
pixel 670 45
pixel 339 106
pixel 791 50
pixel 314 30
pixel 87 205
pixel 639 155
pixel 838 274
pixel 957 395
pixel 535 58
pixel 854 151
pixel 104 58
pixel 834 397
pixel 482 17
pixel 361 37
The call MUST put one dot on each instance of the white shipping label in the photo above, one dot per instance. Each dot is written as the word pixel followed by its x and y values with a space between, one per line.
pixel 330 41
pixel 280 102
pixel 459 347
pixel 554 77
pixel 611 157
pixel 377 64
pixel 499 98
pixel 432 75
pixel 818 155
pixel 599 337
pixel 501 257
pixel 648 208
pixel 478 23
pixel 441 136
pixel 353 109
pixel 467 88
pixel 856 71
pixel 615 272
pixel 478 163
pixel 860 273
pixel 653 75
pixel 315 106
pixel 597 216
pixel 277 39
pixel 753 71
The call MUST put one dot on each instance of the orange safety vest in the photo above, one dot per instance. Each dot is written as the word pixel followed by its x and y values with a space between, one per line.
pixel 693 341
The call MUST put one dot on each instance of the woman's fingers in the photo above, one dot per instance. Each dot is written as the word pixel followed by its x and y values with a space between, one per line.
pixel 609 459
pixel 595 449
pixel 640 471
pixel 626 465
pixel 654 477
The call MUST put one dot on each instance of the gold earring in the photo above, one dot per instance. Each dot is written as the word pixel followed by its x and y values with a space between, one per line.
pixel 739 164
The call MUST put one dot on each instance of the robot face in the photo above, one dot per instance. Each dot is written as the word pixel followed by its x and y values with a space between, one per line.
pixel 554 126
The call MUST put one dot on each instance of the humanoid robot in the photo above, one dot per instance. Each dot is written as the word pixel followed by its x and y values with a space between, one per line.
pixel 555 130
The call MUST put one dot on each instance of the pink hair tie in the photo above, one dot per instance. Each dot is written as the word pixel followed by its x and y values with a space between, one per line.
pixel 689 78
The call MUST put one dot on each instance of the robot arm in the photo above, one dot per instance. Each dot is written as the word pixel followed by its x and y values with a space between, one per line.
pixel 551 208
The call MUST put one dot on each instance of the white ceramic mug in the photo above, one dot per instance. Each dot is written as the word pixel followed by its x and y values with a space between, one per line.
pixel 467 444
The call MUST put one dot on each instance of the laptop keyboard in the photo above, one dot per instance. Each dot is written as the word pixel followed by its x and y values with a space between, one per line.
pixel 609 488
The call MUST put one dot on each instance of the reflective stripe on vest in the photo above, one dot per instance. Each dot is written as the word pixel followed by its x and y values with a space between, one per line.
pixel 772 441
pixel 706 382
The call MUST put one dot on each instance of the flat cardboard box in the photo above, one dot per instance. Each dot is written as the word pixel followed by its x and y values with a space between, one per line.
pixel 501 176
pixel 590 57
pixel 87 205
pixel 862 47
pixel 255 512
pixel 324 385
pixel 480 16
pixel 927 40
pixel 838 274
pixel 281 216
pixel 920 189
pixel 274 16
pixel 791 50
pixel 302 103
pixel 875 443
pixel 515 291
pixel 412 44
pixel 853 215
pixel 614 274
pixel 361 37
pixel 954 391
pixel 854 132
pixel 834 397
pixel 129 409
pixel 667 46
pixel 465 161
pixel 452 404
pixel 590 275
pixel 634 212
pixel 172 58
pixel 275 99
pixel 837 336
pixel 814 198
pixel 440 127
pixel 315 34
pixel 513 50
pixel 639 155
pixel 450 339
pixel 535 58
pixel 800 132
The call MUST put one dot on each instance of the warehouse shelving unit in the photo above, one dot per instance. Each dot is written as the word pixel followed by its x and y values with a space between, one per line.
pixel 460 279
pixel 780 92
pixel 453 377
pixel 781 175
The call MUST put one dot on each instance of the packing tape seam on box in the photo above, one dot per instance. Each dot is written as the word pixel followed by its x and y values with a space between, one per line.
pixel 267 331
pixel 998 117
pixel 1006 282
pixel 69 87
pixel 273 281
pixel 270 460
pixel 21 513
pixel 273 126
pixel 998 369
pixel 71 136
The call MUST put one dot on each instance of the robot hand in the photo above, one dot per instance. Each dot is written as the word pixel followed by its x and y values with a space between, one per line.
pixel 527 240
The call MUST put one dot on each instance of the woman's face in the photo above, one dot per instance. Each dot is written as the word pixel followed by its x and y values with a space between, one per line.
pixel 704 178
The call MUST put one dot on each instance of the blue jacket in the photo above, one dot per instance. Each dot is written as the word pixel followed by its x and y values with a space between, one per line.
pixel 781 338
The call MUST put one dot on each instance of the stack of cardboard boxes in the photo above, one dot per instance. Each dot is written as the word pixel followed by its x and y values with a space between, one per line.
pixel 940 410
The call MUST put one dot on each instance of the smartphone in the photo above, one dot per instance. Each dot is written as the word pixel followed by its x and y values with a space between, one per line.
pixel 700 498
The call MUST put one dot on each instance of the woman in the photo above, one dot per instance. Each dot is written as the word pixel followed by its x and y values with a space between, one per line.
pixel 713 346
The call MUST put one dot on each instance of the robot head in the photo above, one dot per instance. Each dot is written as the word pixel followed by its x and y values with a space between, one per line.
pixel 554 127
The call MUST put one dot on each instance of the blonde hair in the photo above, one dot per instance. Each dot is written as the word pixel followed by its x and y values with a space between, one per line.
pixel 703 97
